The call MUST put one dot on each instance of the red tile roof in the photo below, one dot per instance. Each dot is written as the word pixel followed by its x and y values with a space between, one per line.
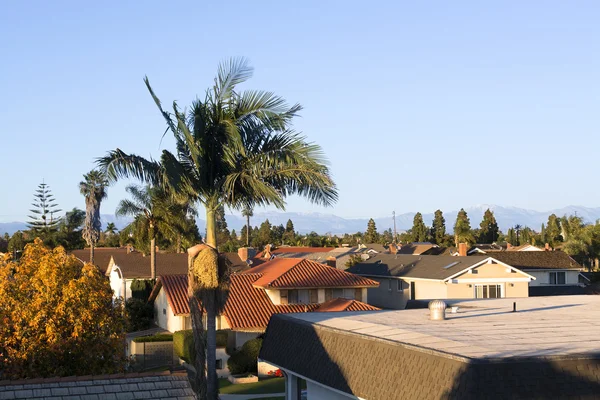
pixel 302 273
pixel 345 305
pixel 247 307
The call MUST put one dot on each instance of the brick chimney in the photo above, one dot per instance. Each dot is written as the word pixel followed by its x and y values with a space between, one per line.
pixel 462 249
pixel 393 249
pixel 332 262
pixel 508 246
pixel 246 252
pixel 129 248
pixel 547 247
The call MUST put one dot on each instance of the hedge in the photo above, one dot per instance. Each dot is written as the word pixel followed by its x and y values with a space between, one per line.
pixel 141 288
pixel 183 345
pixel 246 359
pixel 160 337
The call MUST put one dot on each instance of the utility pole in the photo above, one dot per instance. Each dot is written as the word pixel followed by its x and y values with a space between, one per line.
pixel 395 237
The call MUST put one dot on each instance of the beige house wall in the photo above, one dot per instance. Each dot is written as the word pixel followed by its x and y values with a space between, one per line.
pixel 425 290
pixel 542 278
pixel 517 289
pixel 491 271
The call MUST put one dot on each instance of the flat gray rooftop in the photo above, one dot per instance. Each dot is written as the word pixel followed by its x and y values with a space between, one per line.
pixel 542 326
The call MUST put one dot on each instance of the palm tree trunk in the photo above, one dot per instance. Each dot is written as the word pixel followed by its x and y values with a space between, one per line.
pixel 92 254
pixel 211 228
pixel 211 348
pixel 153 258
pixel 247 230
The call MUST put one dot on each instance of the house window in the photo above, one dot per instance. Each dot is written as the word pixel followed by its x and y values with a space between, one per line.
pixel 292 296
pixel 283 296
pixel 219 363
pixel 358 294
pixel 558 278
pixel 314 296
pixel 488 291
pixel 399 285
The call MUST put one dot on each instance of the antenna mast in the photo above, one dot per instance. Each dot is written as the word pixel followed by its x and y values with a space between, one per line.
pixel 395 235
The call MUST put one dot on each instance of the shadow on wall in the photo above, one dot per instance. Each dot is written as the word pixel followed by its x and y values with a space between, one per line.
pixel 377 369
pixel 534 378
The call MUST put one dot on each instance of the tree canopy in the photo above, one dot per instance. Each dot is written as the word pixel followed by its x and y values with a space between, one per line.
pixel 58 317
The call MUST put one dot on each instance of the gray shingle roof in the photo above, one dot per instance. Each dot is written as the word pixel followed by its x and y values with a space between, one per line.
pixel 407 266
pixel 153 385
pixel 537 259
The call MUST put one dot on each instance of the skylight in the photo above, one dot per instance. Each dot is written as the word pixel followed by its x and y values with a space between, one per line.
pixel 452 264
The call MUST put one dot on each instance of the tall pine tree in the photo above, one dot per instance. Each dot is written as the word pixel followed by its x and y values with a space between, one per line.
pixel 419 230
pixel 489 231
pixel 462 229
pixel 438 229
pixel 371 236
pixel 553 230
pixel 44 220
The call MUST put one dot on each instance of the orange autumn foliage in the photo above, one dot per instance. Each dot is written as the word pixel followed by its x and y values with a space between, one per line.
pixel 57 317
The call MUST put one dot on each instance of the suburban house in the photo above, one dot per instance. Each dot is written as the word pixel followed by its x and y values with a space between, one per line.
pixel 281 285
pixel 555 272
pixel 405 277
pixel 418 248
pixel 124 265
pixel 484 350
pixel 336 257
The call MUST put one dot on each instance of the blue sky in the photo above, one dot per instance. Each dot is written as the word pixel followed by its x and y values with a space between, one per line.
pixel 418 105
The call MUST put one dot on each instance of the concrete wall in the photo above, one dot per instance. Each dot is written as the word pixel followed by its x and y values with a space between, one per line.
pixel 318 392
pixel 383 297
pixel 542 278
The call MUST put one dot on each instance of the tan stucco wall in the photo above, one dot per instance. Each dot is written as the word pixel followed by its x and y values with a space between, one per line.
pixel 491 271
pixel 430 290
pixel 519 289
pixel 383 297
pixel 461 291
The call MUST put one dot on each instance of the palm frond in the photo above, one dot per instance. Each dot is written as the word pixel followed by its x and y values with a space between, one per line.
pixel 230 74
pixel 118 164
pixel 128 208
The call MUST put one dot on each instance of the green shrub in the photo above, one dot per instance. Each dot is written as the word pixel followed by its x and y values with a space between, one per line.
pixel 245 360
pixel 160 337
pixel 239 363
pixel 141 288
pixel 140 314
pixel 183 345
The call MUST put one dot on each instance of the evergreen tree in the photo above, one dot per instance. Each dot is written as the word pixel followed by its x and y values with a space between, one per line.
pixel 277 233
pixel 553 230
pixel 419 230
pixel 289 236
pixel 462 229
pixel 45 220
pixel 247 212
pixel 223 234
pixel 489 231
pixel 543 234
pixel 526 236
pixel 511 237
pixel 438 229
pixel 264 234
pixel 371 236
pixel 387 237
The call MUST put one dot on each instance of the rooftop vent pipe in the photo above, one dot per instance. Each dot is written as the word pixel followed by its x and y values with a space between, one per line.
pixel 437 310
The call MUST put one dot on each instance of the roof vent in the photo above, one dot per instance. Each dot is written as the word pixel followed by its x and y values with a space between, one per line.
pixel 437 310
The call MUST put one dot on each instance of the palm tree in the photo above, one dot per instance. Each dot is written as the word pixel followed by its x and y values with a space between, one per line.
pixel 247 212
pixel 232 148
pixel 150 207
pixel 93 188
pixel 111 228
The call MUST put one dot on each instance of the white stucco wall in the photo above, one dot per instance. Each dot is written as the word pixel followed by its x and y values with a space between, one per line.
pixel 542 278
pixel 116 283
pixel 164 316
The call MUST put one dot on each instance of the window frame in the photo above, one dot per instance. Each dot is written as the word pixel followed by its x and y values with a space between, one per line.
pixel 556 274
pixel 485 290
pixel 399 286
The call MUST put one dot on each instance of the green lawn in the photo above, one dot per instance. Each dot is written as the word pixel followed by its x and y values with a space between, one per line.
pixel 271 385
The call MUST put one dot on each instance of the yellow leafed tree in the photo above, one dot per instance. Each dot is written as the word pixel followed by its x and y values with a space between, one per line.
pixel 57 317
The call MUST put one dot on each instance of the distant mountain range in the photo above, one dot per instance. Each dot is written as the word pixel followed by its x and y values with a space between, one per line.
pixel 330 223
